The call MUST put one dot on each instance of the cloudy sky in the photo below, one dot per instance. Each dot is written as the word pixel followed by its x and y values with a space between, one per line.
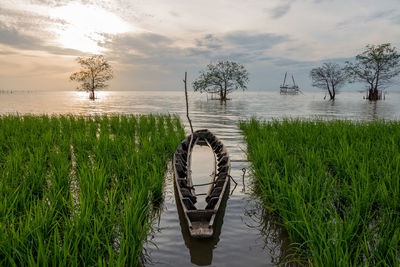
pixel 150 43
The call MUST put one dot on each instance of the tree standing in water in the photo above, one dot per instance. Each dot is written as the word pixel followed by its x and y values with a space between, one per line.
pixel 95 72
pixel 328 77
pixel 222 78
pixel 376 66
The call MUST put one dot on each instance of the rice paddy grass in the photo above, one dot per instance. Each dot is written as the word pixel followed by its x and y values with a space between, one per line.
pixel 334 186
pixel 78 191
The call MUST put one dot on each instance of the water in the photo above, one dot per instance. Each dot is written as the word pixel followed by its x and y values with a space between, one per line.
pixel 202 167
pixel 266 105
pixel 246 236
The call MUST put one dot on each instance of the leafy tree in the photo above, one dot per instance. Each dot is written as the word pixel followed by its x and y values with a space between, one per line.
pixel 376 66
pixel 328 77
pixel 222 78
pixel 95 72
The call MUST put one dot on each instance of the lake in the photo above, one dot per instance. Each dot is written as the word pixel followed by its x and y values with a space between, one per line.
pixel 247 236
pixel 262 104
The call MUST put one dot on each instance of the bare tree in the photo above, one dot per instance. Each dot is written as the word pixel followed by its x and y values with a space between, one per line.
pixel 328 77
pixel 376 66
pixel 222 78
pixel 95 72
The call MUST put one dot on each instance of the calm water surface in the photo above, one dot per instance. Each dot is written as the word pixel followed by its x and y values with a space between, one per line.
pixel 246 236
pixel 266 105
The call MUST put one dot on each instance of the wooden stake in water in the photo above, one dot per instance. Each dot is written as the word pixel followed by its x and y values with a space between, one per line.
pixel 187 103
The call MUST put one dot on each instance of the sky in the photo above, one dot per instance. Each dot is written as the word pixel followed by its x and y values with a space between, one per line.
pixel 151 43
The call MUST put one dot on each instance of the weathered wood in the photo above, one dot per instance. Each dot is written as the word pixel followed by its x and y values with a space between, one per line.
pixel 187 103
pixel 201 221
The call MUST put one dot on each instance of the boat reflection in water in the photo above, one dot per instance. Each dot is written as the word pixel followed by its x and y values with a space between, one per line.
pixel 201 250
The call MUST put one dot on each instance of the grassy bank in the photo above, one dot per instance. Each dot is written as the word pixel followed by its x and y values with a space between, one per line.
pixel 78 191
pixel 335 186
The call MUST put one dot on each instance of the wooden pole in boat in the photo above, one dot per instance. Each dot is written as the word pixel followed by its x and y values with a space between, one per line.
pixel 244 173
pixel 187 103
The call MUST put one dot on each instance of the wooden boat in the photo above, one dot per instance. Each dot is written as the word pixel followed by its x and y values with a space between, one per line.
pixel 201 221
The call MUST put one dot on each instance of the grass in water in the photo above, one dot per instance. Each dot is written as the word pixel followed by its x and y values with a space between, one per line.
pixel 334 185
pixel 78 191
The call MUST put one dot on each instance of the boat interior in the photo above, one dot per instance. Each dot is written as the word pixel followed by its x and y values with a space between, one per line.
pixel 220 172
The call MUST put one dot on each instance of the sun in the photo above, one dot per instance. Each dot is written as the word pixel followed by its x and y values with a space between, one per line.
pixel 85 26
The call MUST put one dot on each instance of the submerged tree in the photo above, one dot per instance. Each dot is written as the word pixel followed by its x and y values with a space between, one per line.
pixel 328 77
pixel 222 78
pixel 376 66
pixel 95 72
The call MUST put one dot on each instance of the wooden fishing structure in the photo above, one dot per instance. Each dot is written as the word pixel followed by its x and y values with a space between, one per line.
pixel 286 89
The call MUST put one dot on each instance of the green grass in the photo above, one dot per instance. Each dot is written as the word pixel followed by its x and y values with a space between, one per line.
pixel 79 191
pixel 335 187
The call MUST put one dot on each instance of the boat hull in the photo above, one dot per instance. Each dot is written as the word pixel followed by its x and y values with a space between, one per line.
pixel 201 222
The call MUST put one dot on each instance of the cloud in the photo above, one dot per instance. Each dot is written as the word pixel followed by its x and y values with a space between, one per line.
pixel 143 44
pixel 6 51
pixel 280 10
pixel 58 3
pixel 28 21
pixel 379 15
pixel 26 31
pixel 174 14
pixel 50 3
pixel 249 41
pixel 199 52
pixel 368 18
pixel 144 48
pixel 209 41
pixel 124 8
pixel 395 19
pixel 13 38
pixel 142 41
pixel 285 62
pixel 238 45
pixel 151 48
